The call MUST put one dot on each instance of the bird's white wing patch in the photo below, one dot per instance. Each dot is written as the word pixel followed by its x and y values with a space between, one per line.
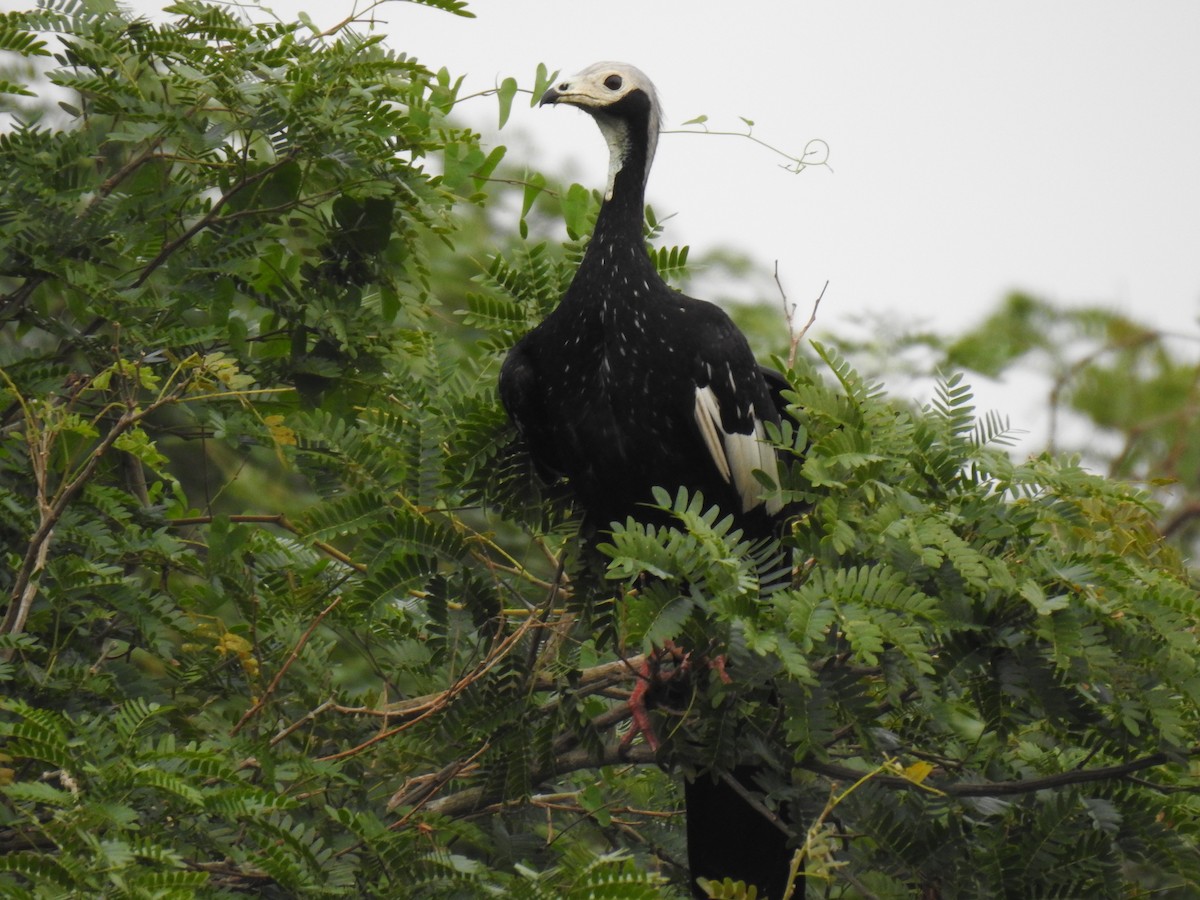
pixel 708 417
pixel 738 455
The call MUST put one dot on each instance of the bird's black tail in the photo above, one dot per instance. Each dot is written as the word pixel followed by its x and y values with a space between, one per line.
pixel 729 837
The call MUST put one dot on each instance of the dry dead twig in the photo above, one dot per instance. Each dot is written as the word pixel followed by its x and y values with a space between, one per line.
pixel 789 312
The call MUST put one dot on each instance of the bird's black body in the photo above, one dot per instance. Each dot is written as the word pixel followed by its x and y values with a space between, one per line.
pixel 628 385
pixel 729 838
pixel 604 390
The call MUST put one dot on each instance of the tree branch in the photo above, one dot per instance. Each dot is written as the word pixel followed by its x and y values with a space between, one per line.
pixel 25 585
pixel 1180 518
pixel 474 799
pixel 447 697
pixel 211 216
pixel 283 522
pixel 1001 788
pixel 292 657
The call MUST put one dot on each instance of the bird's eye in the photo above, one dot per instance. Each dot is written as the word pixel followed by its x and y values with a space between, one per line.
pixel 613 82
pixel 564 86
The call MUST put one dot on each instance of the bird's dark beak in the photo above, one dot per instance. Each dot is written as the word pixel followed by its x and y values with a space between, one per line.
pixel 550 97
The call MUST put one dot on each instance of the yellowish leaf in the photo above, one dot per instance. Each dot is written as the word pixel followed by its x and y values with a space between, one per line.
pixel 280 433
pixel 917 772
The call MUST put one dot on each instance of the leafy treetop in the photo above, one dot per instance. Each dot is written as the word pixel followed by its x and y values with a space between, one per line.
pixel 286 611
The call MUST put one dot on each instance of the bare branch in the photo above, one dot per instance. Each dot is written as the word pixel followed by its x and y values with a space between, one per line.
pixel 1180 518
pixel 789 313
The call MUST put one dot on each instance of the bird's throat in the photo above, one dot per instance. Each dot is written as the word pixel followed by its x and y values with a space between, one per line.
pixel 622 211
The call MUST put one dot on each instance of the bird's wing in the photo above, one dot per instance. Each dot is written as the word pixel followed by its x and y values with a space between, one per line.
pixel 518 385
pixel 776 385
pixel 737 454
pixel 731 405
pixel 521 394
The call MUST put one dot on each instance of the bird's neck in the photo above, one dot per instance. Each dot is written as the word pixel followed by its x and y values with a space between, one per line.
pixel 621 213
pixel 616 255
pixel 619 224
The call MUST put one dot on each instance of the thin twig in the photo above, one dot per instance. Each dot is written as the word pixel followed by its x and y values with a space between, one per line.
pixel 797 163
pixel 789 312
pixel 1180 518
pixel 356 15
pixel 446 696
pixel 423 789
pixel 592 680
pixel 1064 377
pixel 205 221
pixel 274 519
pixel 303 720
pixel 292 657
pixel 755 803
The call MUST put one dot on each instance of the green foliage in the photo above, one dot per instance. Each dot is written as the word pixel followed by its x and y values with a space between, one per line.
pixel 1015 624
pixel 1121 393
pixel 244 450
pixel 288 613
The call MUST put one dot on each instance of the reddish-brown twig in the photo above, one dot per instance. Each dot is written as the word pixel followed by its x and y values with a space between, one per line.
pixel 292 657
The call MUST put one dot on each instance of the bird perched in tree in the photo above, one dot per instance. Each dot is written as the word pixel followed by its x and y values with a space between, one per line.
pixel 628 385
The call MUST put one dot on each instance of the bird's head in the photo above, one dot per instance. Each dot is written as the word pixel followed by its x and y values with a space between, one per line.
pixel 624 104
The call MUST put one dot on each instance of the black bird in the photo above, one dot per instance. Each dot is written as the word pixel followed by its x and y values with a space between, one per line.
pixel 628 385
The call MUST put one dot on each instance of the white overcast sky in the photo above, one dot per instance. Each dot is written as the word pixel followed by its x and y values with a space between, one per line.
pixel 977 147
pixel 1047 145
